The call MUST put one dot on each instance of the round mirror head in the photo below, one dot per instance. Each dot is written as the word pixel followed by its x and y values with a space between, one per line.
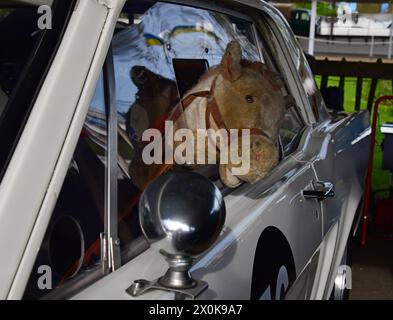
pixel 185 209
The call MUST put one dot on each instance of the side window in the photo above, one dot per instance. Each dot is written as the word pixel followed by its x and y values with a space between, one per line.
pixel 161 51
pixel 19 34
pixel 305 16
pixel 70 254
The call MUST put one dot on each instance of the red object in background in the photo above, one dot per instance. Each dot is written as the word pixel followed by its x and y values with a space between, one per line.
pixel 367 196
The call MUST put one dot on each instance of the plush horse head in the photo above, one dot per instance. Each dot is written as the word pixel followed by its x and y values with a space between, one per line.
pixel 238 94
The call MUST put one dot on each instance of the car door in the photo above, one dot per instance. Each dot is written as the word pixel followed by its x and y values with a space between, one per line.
pixel 271 231
pixel 332 143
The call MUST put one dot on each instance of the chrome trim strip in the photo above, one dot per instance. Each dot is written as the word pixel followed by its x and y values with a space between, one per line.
pixel 112 241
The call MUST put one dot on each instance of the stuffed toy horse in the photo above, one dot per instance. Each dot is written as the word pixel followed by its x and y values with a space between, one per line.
pixel 236 94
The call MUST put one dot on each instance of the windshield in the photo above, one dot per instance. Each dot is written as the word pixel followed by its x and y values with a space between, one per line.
pixel 18 35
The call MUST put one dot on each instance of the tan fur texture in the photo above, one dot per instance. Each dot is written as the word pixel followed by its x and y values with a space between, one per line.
pixel 238 81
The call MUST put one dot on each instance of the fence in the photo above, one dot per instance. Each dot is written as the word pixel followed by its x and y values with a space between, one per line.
pixel 360 70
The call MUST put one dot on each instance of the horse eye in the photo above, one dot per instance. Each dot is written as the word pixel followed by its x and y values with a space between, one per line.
pixel 249 99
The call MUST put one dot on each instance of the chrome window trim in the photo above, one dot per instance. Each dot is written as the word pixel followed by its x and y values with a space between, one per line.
pixel 258 42
pixel 110 249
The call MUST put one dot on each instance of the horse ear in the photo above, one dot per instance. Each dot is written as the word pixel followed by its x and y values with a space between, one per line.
pixel 231 62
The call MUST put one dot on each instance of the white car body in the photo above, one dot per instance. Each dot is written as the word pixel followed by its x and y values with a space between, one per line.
pixel 317 232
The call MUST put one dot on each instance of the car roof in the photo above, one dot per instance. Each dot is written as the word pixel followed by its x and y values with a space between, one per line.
pixel 252 3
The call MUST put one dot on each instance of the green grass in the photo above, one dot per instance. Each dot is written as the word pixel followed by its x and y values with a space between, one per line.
pixel 381 178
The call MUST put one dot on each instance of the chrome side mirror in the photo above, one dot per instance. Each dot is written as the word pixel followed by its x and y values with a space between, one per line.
pixel 182 214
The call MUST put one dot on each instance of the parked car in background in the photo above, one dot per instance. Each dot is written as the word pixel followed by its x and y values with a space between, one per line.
pixel 68 203
pixel 300 22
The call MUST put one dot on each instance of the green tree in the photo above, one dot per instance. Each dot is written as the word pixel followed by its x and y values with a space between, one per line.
pixel 323 8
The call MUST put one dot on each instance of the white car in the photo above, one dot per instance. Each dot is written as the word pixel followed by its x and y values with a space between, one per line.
pixel 69 226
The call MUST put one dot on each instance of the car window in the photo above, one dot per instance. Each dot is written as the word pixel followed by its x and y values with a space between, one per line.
pixel 26 52
pixel 160 50
pixel 304 16
pixel 70 254
pixel 18 32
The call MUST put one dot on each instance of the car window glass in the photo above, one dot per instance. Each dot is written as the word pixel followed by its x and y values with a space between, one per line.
pixel 18 34
pixel 304 16
pixel 26 52
pixel 150 42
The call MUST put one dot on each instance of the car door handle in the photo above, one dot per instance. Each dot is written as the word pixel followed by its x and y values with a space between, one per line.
pixel 320 190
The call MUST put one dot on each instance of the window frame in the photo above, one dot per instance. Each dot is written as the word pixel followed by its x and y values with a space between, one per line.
pixel 111 259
